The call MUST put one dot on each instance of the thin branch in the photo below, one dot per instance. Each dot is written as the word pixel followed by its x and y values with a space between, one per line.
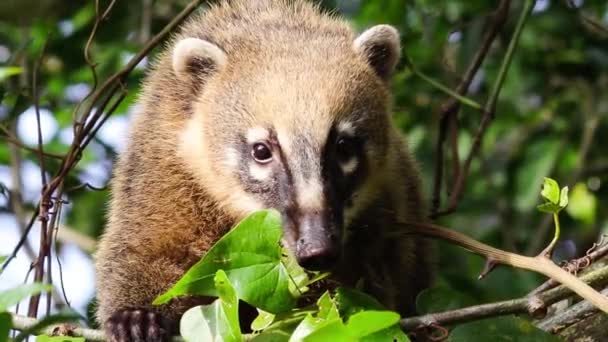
pixel 532 305
pixel 16 142
pixel 463 99
pixel 66 234
pixel 489 110
pixel 106 91
pixel 451 108
pixel 89 61
pixel 44 248
pixel 23 240
pixel 539 264
pixel 23 323
pixel 570 316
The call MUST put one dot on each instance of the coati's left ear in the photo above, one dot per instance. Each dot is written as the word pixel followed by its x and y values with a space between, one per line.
pixel 381 47
pixel 196 58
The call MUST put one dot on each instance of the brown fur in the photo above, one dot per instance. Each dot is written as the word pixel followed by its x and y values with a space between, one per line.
pixel 165 213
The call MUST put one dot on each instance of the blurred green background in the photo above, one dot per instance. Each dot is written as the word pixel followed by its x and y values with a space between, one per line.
pixel 550 121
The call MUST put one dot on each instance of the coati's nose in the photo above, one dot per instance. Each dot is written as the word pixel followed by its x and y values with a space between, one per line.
pixel 317 248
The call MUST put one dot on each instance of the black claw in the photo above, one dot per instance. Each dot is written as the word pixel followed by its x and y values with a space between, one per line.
pixel 136 325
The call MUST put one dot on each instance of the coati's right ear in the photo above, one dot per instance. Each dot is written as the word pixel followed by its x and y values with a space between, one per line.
pixel 381 48
pixel 193 57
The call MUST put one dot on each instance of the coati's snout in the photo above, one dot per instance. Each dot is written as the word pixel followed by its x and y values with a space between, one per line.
pixel 318 245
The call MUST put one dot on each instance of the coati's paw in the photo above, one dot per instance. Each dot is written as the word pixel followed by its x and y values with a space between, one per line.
pixel 136 325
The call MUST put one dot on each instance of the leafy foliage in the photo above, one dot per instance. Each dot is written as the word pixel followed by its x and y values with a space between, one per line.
pixel 344 315
pixel 216 321
pixel 257 239
pixel 254 262
pixel 13 296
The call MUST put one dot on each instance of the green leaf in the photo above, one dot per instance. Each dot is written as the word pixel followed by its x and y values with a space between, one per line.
pixel 333 331
pixel 501 329
pixel 272 336
pixel 550 190
pixel 352 301
pixel 548 208
pixel 262 321
pixel 563 197
pixel 218 321
pixel 311 324
pixel 251 256
pixel 45 338
pixel 327 308
pixel 13 296
pixel 5 325
pixel 393 334
pixel 6 72
pixel 2 258
pixel 583 204
pixel 368 322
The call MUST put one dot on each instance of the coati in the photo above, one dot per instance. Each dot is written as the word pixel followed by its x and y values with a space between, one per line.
pixel 262 104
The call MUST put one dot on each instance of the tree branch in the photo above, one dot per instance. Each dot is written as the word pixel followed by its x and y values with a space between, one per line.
pixel 539 264
pixel 452 106
pixel 532 305
pixel 23 323
pixel 489 110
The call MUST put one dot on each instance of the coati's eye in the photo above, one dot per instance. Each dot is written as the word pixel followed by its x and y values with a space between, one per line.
pixel 261 153
pixel 346 148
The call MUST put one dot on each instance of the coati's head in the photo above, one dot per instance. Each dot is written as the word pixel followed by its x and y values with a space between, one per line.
pixel 295 121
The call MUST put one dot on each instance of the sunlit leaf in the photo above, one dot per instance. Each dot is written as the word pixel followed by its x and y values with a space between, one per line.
pixel 550 190
pixel 333 331
pixel 327 307
pixel 548 208
pixel 15 295
pixel 352 301
pixel 311 324
pixel 262 321
pixel 368 322
pixel 218 321
pixel 251 256
pixel 6 72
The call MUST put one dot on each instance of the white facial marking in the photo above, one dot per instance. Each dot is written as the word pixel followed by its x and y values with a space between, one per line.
pixel 259 172
pixel 256 134
pixel 346 128
pixel 244 203
pixel 350 165
pixel 310 194
pixel 231 157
